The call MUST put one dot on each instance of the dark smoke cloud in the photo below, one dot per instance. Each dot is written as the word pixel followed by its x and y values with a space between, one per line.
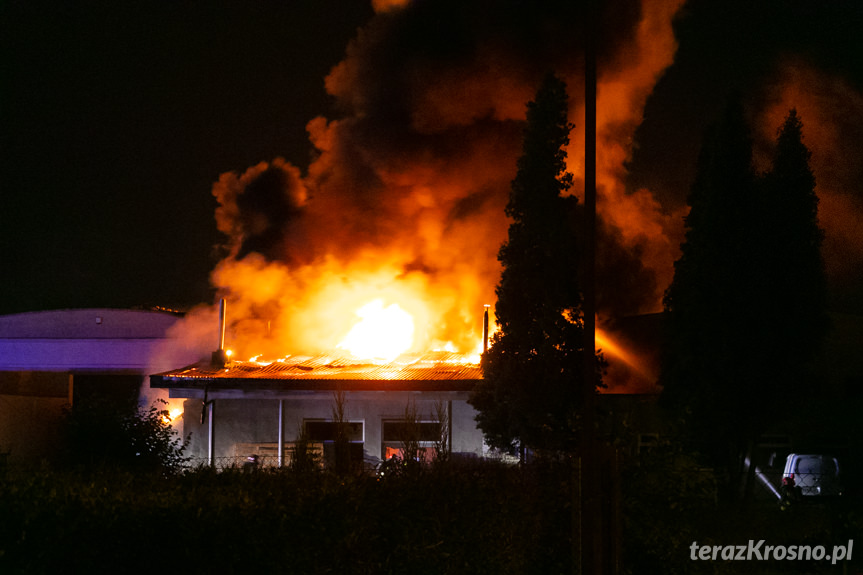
pixel 258 209
pixel 434 96
pixel 435 67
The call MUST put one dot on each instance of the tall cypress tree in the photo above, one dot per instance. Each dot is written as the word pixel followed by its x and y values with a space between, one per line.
pixel 796 282
pixel 531 370
pixel 747 300
pixel 711 366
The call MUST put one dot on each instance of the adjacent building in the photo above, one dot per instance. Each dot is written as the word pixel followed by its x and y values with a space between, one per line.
pixel 51 359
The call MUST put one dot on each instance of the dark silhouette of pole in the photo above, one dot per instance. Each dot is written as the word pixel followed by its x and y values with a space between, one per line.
pixel 485 330
pixel 591 520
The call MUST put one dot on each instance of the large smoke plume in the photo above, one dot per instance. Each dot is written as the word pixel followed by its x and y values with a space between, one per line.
pixel 407 189
pixel 404 197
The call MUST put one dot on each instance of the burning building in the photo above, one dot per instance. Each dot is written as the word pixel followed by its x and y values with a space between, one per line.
pixel 404 198
pixel 235 408
pixel 400 213
pixel 249 407
pixel 262 407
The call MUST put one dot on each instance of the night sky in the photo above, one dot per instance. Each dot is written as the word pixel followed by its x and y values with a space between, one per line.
pixel 116 119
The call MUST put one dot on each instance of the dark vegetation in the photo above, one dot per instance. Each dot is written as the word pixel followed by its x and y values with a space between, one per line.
pixel 100 433
pixel 746 318
pixel 478 517
pixel 469 517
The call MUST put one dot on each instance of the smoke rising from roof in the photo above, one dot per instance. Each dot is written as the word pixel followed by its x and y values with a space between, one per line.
pixel 256 209
pixel 408 185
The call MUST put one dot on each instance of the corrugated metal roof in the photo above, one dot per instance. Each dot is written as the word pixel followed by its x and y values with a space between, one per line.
pixel 433 366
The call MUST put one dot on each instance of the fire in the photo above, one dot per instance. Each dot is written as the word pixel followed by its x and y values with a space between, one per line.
pixel 405 198
pixel 382 333
pixel 173 415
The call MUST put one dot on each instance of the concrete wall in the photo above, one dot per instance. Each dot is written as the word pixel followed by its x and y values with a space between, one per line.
pixel 247 421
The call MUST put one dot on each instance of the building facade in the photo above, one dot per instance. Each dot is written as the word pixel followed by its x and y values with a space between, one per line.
pixel 249 408
pixel 51 359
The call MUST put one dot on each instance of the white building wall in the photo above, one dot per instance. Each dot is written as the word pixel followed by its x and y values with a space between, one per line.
pixel 248 421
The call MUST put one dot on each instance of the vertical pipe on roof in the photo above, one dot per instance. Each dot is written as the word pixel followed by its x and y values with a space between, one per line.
pixel 485 329
pixel 222 320
pixel 219 358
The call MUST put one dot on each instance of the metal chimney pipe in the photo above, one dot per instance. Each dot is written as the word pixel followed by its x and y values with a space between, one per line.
pixel 485 329
pixel 219 358
pixel 222 320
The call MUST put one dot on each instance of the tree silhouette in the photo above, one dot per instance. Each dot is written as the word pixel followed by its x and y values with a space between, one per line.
pixel 711 361
pixel 532 370
pixel 747 300
pixel 796 282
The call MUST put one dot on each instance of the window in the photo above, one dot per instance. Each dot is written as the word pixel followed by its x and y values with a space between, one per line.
pixel 397 434
pixel 399 430
pixel 320 430
pixel 323 433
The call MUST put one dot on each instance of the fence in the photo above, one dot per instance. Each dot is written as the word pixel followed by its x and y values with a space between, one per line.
pixel 318 456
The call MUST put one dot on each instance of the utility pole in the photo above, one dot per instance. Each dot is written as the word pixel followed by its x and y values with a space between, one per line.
pixel 591 519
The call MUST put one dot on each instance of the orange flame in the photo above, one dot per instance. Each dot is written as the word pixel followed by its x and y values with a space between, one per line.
pixel 383 333
pixel 173 415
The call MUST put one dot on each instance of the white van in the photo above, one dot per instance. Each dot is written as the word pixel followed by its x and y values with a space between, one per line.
pixel 812 475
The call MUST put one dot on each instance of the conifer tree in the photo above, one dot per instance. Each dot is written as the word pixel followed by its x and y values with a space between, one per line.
pixel 532 369
pixel 711 365
pixel 747 303
pixel 796 280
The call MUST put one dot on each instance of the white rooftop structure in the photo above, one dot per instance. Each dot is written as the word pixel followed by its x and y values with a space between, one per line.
pixel 83 340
